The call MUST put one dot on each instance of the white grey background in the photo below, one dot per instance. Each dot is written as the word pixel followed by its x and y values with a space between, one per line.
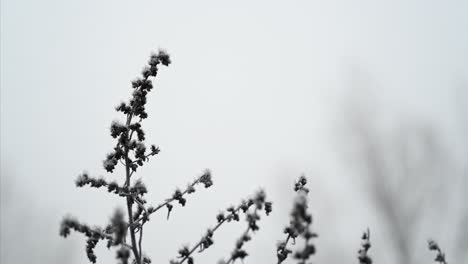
pixel 259 92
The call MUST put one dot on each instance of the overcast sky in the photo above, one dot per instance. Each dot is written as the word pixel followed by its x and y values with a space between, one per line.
pixel 258 92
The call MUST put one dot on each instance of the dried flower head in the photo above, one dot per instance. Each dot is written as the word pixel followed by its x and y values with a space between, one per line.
pixel 363 256
pixel 440 256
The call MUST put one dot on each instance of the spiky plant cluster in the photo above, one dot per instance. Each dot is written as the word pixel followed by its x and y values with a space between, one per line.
pixel 363 256
pixel 250 207
pixel 252 218
pixel 440 256
pixel 131 152
pixel 299 226
pixel 125 226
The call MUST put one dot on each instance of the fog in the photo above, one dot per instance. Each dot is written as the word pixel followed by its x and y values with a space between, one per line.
pixel 368 99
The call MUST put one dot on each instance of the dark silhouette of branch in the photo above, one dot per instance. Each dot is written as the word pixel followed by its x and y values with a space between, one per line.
pixel 131 153
pixel 230 214
pixel 299 226
pixel 252 218
pixel 363 256
pixel 440 257
pixel 125 230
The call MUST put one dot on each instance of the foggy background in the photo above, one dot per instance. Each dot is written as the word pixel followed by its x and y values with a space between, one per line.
pixel 367 98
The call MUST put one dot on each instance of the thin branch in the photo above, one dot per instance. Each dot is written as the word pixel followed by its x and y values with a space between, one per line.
pixel 130 199
pixel 221 221
pixel 139 242
pixel 283 251
pixel 146 157
pixel 189 189
pixel 238 253
pixel 440 257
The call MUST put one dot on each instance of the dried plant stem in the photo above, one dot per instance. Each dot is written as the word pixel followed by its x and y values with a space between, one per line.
pixel 221 222
pixel 131 154
pixel 246 232
pixel 130 213
pixel 129 198
pixel 285 244
pixel 139 242
pixel 200 243
pixel 164 204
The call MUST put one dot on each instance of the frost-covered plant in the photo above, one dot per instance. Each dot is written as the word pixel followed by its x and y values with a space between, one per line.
pixel 131 152
pixel 124 231
pixel 259 202
pixel 299 226
pixel 251 208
